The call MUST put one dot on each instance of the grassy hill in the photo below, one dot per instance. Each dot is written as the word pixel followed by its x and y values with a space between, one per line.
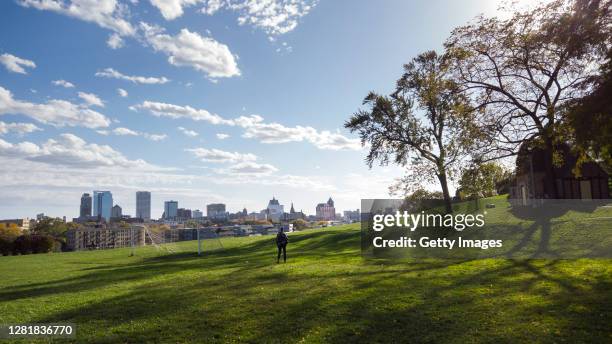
pixel 326 293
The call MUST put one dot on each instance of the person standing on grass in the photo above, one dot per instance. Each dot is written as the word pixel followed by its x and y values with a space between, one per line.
pixel 281 243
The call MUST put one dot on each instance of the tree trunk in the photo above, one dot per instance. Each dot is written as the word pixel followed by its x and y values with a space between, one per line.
pixel 445 193
pixel 550 183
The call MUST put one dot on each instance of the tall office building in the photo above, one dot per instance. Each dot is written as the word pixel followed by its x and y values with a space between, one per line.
pixel 85 205
pixel 326 211
pixel 275 210
pixel 116 212
pixel 102 204
pixel 216 211
pixel 143 205
pixel 170 210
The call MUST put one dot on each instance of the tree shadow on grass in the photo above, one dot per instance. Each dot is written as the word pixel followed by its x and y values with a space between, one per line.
pixel 375 301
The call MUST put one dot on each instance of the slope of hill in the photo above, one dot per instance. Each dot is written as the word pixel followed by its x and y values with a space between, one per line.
pixel 325 293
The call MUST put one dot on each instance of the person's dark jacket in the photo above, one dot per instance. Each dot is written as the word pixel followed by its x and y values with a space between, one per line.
pixel 281 239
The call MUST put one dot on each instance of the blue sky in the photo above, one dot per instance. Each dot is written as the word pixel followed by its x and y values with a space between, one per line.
pixel 235 105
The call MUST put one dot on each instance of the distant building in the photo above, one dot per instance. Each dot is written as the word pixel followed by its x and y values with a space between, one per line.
pixel 86 201
pixel 143 205
pixel 275 210
pixel 352 215
pixel 326 211
pixel 116 212
pixel 294 215
pixel 40 216
pixel 23 224
pixel 197 214
pixel 216 211
pixel 170 210
pixel 531 185
pixel 183 214
pixel 102 204
pixel 104 238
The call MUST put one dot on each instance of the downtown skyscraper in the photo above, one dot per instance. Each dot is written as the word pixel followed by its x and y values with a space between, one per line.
pixel 143 205
pixel 102 204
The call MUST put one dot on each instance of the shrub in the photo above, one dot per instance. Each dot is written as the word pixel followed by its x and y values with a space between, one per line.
pixel 6 247
pixel 42 243
pixel 22 245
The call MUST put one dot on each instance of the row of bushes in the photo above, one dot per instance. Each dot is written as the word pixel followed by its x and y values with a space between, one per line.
pixel 27 244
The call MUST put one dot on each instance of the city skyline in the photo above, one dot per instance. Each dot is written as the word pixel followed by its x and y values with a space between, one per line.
pixel 198 105
pixel 86 209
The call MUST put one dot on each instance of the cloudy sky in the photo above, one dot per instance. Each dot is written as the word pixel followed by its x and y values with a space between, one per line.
pixel 200 101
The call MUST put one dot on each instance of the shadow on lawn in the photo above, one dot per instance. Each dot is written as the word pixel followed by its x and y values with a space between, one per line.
pixel 372 301
pixel 542 217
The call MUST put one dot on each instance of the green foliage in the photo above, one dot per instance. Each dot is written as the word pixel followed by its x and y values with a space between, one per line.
pixel 53 227
pixel 27 244
pixel 6 246
pixel 300 224
pixel 434 143
pixel 590 118
pixel 484 180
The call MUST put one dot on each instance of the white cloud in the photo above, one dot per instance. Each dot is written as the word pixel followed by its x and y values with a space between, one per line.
pixel 220 156
pixel 255 128
pixel 176 111
pixel 212 6
pixel 69 150
pixel 113 74
pixel 222 136
pixel 121 131
pixel 54 112
pixel 108 14
pixel 123 93
pixel 172 9
pixel 274 17
pixel 16 64
pixel 18 128
pixel 91 99
pixel 250 167
pixel 62 83
pixel 115 41
pixel 188 132
pixel 125 132
pixel 193 50
pixel 155 137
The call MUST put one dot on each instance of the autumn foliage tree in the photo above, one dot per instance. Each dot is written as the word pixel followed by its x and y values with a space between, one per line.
pixel 423 125
pixel 522 71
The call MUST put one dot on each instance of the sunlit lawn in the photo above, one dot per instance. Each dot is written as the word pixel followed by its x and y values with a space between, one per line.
pixel 325 293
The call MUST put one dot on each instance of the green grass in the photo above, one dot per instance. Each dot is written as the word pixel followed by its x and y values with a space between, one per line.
pixel 325 293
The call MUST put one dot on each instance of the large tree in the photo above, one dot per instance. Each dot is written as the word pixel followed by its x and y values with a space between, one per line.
pixel 523 70
pixel 423 125
pixel 590 118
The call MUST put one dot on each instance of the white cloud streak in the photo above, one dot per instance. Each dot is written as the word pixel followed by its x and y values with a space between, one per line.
pixel 16 64
pixel 115 41
pixel 63 83
pixel 113 74
pixel 70 150
pixel 220 156
pixel 190 49
pixel 18 128
pixel 121 131
pixel 109 14
pixel 176 111
pixel 188 132
pixel 91 99
pixel 54 112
